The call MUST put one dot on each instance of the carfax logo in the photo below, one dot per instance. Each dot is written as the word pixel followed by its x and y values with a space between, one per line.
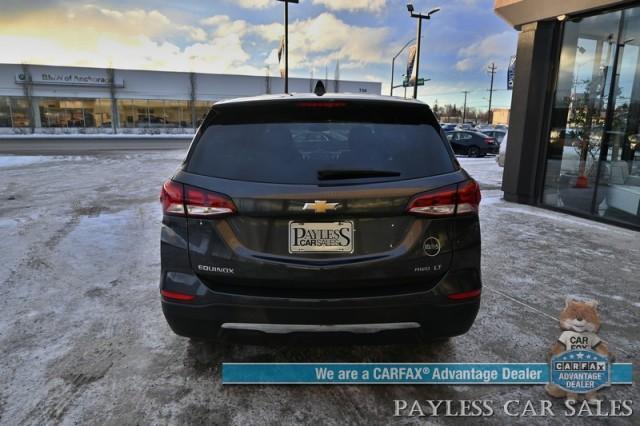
pixel 580 371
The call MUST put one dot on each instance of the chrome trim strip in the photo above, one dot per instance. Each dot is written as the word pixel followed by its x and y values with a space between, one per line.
pixel 313 328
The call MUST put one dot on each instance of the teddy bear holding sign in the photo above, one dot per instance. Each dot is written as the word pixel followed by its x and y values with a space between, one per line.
pixel 580 323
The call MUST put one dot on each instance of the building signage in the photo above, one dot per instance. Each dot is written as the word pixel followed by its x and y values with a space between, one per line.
pixel 511 73
pixel 411 62
pixel 69 79
pixel 281 57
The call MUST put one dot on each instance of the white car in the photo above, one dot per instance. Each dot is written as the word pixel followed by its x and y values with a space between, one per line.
pixel 503 150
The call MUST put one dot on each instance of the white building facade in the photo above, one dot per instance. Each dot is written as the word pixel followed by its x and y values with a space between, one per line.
pixel 67 100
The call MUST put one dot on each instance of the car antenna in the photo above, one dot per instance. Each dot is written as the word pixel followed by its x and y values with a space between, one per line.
pixel 319 89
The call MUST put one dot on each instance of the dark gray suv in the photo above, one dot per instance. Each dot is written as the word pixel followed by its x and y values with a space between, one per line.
pixel 306 213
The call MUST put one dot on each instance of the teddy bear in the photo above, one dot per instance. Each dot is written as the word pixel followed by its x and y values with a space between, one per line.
pixel 580 323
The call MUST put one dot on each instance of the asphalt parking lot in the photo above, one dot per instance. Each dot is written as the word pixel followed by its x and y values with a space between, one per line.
pixel 83 340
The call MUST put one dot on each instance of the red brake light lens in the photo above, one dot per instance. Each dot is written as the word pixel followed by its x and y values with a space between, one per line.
pixel 172 198
pixel 184 200
pixel 201 203
pixel 456 199
pixel 465 295
pixel 468 197
pixel 439 203
pixel 172 295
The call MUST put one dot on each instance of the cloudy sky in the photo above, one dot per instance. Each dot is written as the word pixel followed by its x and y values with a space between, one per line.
pixel 242 37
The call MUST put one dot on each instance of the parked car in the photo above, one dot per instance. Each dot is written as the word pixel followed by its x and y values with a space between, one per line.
pixel 472 143
pixel 256 236
pixel 498 135
pixel 448 127
pixel 503 150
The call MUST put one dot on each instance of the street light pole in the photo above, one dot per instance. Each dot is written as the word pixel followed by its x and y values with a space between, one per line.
pixel 393 62
pixel 404 77
pixel 415 82
pixel 464 108
pixel 286 43
pixel 420 17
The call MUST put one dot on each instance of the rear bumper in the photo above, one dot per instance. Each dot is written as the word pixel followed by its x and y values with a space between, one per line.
pixel 437 315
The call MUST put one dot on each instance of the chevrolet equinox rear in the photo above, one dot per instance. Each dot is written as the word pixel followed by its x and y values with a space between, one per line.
pixel 305 213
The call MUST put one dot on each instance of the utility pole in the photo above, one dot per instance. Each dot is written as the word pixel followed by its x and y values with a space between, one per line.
pixel 464 108
pixel 286 43
pixel 267 78
pixel 420 17
pixel 492 71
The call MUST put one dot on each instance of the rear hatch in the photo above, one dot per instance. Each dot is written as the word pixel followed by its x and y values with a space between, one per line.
pixel 281 189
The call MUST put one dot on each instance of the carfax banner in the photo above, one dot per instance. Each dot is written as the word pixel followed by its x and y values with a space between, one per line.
pixel 577 375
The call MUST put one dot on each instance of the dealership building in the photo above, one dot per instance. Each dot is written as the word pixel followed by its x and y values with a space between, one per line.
pixel 574 133
pixel 66 100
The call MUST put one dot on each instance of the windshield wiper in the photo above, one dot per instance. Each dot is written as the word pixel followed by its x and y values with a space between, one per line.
pixel 354 174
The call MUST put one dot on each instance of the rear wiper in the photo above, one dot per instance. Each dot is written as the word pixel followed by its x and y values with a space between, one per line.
pixel 354 174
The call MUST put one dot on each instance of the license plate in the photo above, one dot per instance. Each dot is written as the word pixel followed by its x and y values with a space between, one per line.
pixel 321 237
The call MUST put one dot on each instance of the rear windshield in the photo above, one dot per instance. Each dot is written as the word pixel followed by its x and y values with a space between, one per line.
pixel 325 147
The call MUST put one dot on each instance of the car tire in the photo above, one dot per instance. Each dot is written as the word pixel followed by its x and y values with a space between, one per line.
pixel 473 151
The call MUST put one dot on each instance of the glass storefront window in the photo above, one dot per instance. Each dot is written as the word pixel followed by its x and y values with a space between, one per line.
pixel 92 113
pixel 593 155
pixel 5 112
pixel 177 114
pixel 102 113
pixel 84 113
pixel 19 109
pixel 157 116
pixel 133 113
pixel 152 113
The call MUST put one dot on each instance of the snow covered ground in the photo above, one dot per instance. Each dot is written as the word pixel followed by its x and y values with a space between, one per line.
pixel 83 339
pixel 484 170
pixel 22 160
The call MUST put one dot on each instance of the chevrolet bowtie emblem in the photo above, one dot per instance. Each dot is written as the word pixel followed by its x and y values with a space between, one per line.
pixel 320 206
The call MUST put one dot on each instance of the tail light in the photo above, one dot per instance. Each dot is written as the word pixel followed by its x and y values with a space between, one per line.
pixel 468 197
pixel 463 198
pixel 172 198
pixel 490 141
pixel 201 203
pixel 184 200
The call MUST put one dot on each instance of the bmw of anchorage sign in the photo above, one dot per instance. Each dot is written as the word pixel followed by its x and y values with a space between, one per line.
pixel 580 371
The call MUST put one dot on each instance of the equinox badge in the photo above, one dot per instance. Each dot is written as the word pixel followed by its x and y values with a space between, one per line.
pixel 320 206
